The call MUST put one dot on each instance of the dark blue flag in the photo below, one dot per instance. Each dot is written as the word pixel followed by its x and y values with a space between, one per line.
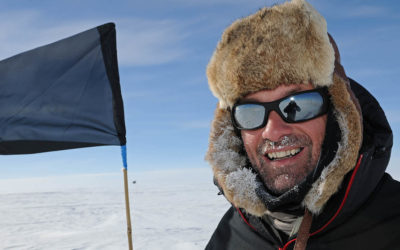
pixel 63 95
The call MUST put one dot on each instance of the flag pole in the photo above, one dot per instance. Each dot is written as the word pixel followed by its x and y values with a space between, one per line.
pixel 127 208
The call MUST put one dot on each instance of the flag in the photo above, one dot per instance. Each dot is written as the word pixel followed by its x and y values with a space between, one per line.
pixel 62 95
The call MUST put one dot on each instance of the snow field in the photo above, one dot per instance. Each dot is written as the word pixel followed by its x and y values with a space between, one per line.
pixel 173 209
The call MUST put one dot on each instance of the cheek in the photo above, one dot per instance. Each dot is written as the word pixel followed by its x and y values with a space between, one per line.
pixel 317 133
pixel 251 141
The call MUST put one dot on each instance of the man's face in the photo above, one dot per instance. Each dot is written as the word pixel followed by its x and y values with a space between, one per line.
pixel 284 153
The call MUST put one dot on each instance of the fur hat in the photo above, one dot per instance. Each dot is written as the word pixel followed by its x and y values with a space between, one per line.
pixel 284 44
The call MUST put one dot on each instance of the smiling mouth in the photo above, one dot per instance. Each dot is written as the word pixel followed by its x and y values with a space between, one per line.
pixel 274 156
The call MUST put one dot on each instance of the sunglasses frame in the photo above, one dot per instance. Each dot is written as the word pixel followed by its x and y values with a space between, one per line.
pixel 274 105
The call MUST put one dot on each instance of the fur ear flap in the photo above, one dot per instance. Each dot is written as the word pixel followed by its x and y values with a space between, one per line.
pixel 348 117
pixel 229 166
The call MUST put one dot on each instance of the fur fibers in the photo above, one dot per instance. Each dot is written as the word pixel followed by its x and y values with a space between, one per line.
pixel 348 117
pixel 284 44
pixel 238 183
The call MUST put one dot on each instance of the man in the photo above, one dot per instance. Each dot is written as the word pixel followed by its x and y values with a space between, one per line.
pixel 296 147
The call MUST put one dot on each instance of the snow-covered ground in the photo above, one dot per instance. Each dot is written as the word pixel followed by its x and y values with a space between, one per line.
pixel 172 209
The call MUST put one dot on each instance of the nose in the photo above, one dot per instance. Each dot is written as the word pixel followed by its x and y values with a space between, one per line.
pixel 275 127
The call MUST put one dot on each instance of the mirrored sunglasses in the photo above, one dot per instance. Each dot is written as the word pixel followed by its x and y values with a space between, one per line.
pixel 298 107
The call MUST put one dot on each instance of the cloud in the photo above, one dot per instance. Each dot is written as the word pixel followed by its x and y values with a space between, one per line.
pixel 374 72
pixel 371 41
pixel 393 169
pixel 352 9
pixel 140 41
pixel 197 124
pixel 393 116
pixel 149 42
pixel 227 2
pixel 366 11
pixel 25 30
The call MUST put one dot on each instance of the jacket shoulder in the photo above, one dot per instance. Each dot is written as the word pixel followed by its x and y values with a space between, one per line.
pixel 373 226
pixel 233 233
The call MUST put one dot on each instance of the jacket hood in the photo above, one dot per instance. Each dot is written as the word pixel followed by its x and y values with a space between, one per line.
pixel 284 44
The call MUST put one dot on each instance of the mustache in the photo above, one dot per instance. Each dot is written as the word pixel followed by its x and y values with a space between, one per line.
pixel 284 141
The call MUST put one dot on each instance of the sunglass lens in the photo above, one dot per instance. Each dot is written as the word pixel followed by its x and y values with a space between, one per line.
pixel 302 107
pixel 249 116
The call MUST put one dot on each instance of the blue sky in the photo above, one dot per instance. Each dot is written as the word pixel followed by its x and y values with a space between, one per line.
pixel 163 49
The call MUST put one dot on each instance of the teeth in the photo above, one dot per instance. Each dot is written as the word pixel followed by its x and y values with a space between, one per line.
pixel 283 154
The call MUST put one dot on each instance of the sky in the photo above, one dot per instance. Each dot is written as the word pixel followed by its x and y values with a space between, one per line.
pixel 163 50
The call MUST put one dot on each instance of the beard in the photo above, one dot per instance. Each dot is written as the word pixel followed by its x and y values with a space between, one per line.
pixel 280 179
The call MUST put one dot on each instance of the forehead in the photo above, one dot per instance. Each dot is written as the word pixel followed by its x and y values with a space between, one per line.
pixel 277 93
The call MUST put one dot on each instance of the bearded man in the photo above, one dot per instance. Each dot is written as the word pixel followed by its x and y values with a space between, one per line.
pixel 297 147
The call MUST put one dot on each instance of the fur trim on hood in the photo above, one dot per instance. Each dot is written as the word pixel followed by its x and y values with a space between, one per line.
pixel 284 44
